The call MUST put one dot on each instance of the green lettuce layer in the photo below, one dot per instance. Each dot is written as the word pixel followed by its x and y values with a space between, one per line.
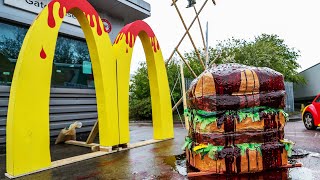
pixel 206 118
pixel 212 151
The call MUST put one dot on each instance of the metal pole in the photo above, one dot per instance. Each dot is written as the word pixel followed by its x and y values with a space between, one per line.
pixel 186 32
pixel 185 27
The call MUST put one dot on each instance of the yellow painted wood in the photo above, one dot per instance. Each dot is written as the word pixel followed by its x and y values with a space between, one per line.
pixel 28 143
pixel 28 137
pixel 184 96
pixel 159 87
pixel 93 134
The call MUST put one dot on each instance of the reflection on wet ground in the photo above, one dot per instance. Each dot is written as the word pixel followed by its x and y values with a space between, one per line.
pixel 163 160
pixel 180 165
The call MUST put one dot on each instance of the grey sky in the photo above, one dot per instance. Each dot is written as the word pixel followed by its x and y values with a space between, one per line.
pixel 297 22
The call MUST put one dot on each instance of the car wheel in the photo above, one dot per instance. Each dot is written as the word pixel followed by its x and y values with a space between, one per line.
pixel 308 121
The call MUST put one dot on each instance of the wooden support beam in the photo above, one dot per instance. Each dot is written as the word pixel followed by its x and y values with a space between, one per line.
pixel 106 148
pixel 201 31
pixel 93 133
pixel 212 62
pixel 187 64
pixel 80 143
pixel 169 59
pixel 143 143
pixel 177 104
pixel 184 97
pixel 188 33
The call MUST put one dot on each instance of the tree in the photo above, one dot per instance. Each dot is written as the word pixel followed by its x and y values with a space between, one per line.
pixel 140 101
pixel 264 51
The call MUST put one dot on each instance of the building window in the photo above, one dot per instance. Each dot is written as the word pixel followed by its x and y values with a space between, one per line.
pixel 71 67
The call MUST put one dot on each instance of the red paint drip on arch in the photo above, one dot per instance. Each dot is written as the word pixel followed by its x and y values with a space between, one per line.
pixel 43 54
pixel 83 5
pixel 132 30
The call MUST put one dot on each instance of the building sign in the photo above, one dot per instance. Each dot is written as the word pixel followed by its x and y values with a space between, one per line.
pixel 36 6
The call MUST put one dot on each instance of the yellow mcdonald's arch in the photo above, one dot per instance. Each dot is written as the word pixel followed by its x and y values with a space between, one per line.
pixel 159 87
pixel 28 143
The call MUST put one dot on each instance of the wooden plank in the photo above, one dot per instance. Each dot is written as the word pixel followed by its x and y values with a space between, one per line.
pixel 292 165
pixel 194 19
pixel 187 64
pixel 200 27
pixel 94 147
pixel 93 133
pixel 63 162
pixel 143 143
pixel 177 104
pixel 80 143
pixel 76 159
pixel 184 97
pixel 188 33
pixel 106 149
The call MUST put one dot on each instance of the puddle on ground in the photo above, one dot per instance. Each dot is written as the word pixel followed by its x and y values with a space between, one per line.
pixel 309 160
pixel 178 163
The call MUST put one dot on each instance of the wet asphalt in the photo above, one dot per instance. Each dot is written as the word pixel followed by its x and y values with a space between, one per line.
pixel 159 161
pixel 306 150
